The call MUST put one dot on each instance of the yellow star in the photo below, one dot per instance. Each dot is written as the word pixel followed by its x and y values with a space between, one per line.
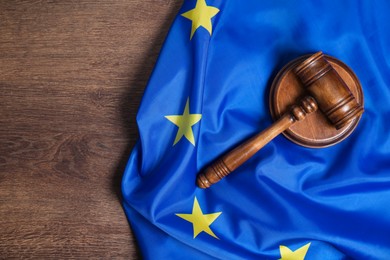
pixel 201 16
pixel 200 222
pixel 185 123
pixel 298 254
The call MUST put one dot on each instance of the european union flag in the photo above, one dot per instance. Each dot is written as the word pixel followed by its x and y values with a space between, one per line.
pixel 209 91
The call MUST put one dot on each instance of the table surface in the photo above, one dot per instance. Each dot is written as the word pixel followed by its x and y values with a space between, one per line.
pixel 72 74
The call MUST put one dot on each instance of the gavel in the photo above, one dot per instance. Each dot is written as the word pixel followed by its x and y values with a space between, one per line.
pixel 324 88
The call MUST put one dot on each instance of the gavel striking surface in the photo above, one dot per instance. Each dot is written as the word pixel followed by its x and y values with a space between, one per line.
pixel 315 131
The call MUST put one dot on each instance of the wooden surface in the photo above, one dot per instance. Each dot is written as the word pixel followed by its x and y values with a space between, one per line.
pixel 72 74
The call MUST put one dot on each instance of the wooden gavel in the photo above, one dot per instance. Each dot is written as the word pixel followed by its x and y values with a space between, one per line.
pixel 326 90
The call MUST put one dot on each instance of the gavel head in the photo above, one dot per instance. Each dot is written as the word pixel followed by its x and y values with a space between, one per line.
pixel 333 96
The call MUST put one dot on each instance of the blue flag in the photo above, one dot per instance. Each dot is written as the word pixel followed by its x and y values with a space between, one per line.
pixel 209 91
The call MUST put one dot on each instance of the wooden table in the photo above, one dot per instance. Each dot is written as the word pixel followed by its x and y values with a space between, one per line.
pixel 72 74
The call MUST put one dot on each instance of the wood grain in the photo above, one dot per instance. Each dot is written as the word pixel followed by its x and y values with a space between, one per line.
pixel 72 74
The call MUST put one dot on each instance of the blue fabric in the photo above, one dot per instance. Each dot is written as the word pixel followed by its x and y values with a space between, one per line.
pixel 335 198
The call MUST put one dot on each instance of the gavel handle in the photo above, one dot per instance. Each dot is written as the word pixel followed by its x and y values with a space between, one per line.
pixel 233 159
